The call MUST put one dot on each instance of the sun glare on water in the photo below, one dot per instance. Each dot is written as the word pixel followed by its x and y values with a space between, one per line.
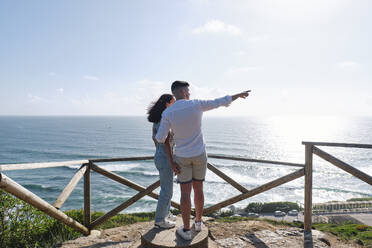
pixel 290 131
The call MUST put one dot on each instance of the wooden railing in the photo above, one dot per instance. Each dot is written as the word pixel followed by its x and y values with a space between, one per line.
pixel 91 165
pixel 312 148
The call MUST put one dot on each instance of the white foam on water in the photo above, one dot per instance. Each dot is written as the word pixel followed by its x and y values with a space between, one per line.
pixel 256 177
pixel 74 166
pixel 121 167
pixel 150 173
pixel 113 167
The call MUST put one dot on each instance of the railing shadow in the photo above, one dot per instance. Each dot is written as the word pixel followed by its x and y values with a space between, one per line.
pixel 256 242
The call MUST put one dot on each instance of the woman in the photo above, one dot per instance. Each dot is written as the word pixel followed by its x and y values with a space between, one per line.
pixel 162 155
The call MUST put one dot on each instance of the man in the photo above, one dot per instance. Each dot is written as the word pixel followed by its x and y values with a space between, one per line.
pixel 184 117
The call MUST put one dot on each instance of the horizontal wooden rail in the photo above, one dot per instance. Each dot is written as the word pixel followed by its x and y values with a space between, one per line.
pixel 255 191
pixel 125 204
pixel 29 166
pixel 102 160
pixel 254 160
pixel 70 187
pixel 342 165
pixel 354 145
pixel 22 193
pixel 227 178
pixel 127 182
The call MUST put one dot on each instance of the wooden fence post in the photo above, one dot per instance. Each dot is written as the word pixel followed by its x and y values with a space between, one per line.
pixel 87 215
pixel 308 186
pixel 25 195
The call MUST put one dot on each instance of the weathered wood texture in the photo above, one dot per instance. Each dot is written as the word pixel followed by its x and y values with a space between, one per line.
pixel 87 201
pixel 308 186
pixel 22 193
pixel 354 145
pixel 254 160
pixel 255 191
pixel 70 187
pixel 29 166
pixel 128 183
pixel 227 178
pixel 124 205
pixel 342 165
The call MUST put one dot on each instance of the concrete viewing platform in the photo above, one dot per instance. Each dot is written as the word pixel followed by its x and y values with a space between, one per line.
pixel 164 238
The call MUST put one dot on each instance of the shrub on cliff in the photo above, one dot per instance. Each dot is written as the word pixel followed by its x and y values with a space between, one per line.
pixel 22 225
pixel 271 207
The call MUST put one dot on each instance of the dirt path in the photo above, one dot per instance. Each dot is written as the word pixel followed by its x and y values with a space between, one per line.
pixel 250 234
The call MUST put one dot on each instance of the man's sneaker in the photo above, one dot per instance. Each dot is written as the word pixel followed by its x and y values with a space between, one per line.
pixel 186 235
pixel 197 225
pixel 171 217
pixel 165 224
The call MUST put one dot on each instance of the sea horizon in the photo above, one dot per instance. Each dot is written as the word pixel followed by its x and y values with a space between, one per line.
pixel 46 139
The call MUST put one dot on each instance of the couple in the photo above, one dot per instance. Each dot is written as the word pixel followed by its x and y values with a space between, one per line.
pixel 177 120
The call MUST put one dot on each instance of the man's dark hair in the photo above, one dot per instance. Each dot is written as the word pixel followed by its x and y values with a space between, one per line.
pixel 179 84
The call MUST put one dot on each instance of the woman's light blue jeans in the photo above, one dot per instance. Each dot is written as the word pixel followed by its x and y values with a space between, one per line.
pixel 166 183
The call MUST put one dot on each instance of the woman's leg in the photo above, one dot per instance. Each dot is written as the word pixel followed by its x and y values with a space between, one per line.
pixel 166 187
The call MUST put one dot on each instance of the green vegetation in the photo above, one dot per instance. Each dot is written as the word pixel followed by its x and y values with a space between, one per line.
pixel 22 225
pixel 271 207
pixel 361 199
pixel 122 219
pixel 347 231
pixel 232 219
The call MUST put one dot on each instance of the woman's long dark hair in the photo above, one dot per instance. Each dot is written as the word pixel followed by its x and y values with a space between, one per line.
pixel 156 108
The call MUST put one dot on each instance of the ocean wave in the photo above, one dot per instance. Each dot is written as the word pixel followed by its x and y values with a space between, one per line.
pixel 250 185
pixel 55 154
pixel 113 167
pixel 41 187
pixel 58 178
pixel 223 148
pixel 364 194
pixel 150 173
pixel 140 173
pixel 255 177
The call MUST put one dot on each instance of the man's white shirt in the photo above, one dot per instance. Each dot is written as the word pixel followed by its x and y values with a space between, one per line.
pixel 184 118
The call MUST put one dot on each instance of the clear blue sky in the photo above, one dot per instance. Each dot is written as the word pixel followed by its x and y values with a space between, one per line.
pixel 115 57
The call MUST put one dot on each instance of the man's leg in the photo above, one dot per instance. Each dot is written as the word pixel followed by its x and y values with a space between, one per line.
pixel 185 179
pixel 198 199
pixel 198 176
pixel 186 204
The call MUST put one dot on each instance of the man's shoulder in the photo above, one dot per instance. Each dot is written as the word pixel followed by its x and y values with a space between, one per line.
pixel 170 109
pixel 179 106
pixel 166 111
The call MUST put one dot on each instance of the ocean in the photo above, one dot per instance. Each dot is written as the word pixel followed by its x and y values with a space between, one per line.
pixel 46 139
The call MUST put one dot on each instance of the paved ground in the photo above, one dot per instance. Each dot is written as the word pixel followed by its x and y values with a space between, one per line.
pixel 365 217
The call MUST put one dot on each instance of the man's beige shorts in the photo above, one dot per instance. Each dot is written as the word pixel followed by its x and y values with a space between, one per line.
pixel 193 168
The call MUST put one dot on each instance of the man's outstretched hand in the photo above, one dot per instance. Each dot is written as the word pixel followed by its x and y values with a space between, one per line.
pixel 243 95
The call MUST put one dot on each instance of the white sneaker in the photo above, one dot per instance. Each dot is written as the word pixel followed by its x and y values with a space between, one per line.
pixel 165 224
pixel 185 235
pixel 171 217
pixel 197 225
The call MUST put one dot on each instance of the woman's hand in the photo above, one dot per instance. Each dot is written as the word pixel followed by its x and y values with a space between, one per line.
pixel 176 168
